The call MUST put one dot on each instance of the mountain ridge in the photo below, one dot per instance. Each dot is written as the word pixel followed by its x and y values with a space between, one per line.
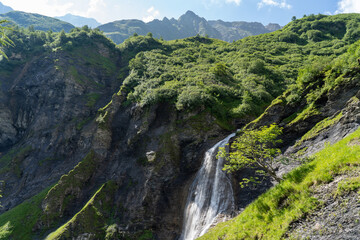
pixel 187 25
pixel 38 21
pixel 79 21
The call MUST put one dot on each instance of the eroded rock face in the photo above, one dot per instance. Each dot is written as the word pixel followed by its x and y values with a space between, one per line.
pixel 46 128
pixel 149 194
pixel 7 129
pixel 338 217
pixel 342 104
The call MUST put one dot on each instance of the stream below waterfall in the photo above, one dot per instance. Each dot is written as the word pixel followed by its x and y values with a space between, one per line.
pixel 210 194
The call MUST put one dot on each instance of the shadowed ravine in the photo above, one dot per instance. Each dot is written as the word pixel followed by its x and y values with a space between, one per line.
pixel 209 195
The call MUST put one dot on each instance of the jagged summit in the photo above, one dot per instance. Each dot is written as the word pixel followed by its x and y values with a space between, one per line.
pixel 190 13
pixel 187 25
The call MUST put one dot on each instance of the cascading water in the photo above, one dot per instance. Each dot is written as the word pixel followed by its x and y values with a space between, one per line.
pixel 210 194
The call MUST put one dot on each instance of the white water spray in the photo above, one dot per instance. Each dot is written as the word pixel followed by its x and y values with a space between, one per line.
pixel 210 195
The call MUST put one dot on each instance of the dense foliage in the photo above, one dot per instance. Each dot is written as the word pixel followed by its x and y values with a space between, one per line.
pixel 4 39
pixel 233 80
pixel 255 149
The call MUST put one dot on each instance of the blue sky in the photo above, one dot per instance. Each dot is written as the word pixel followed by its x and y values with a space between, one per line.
pixel 264 11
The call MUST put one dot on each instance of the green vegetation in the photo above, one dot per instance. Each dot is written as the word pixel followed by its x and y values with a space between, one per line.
pixel 320 126
pixel 270 215
pixel 4 39
pixel 12 160
pixel 255 149
pixel 65 191
pixel 309 111
pixel 19 222
pixel 92 218
pixel 348 185
pixel 241 79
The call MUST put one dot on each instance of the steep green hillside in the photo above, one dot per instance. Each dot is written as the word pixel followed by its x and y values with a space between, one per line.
pixel 37 21
pixel 232 80
pixel 270 216
pixel 308 103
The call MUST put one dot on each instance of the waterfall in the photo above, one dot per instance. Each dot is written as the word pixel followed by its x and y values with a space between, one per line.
pixel 209 195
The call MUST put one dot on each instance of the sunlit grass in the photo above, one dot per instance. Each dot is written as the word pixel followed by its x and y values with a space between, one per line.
pixel 18 223
pixel 270 215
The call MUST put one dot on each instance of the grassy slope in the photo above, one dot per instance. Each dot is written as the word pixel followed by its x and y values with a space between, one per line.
pixel 271 214
pixel 18 223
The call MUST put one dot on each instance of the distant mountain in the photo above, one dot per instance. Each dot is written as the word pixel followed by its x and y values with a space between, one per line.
pixel 187 25
pixel 5 9
pixel 39 22
pixel 273 27
pixel 79 21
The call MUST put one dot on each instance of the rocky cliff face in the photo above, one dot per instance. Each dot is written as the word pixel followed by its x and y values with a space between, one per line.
pixel 148 164
pixel 48 102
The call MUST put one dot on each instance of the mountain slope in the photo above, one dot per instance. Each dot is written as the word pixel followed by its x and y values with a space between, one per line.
pixel 320 116
pixel 187 25
pixel 5 9
pixel 39 22
pixel 79 21
pixel 101 141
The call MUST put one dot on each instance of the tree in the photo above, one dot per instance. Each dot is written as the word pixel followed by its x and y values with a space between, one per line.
pixel 293 18
pixel 4 40
pixel 255 149
pixel 62 37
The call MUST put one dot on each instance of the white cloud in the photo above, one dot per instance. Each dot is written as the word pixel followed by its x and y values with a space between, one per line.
pixel 219 3
pixel 45 7
pixel 237 2
pixel 328 13
pixel 348 6
pixel 274 3
pixel 152 13
pixel 94 6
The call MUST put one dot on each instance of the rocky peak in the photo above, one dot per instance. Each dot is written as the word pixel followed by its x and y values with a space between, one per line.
pixel 273 27
pixel 189 14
